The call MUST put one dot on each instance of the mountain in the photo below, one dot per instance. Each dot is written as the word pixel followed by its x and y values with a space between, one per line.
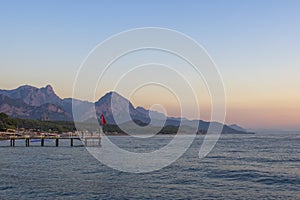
pixel 84 109
pixel 237 127
pixel 14 107
pixel 18 108
pixel 33 96
pixel 122 108
pixel 42 103
pixel 33 103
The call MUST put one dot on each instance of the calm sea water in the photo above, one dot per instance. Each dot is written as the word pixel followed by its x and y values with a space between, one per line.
pixel 239 167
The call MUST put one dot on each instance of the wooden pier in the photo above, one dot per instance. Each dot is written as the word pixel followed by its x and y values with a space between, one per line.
pixel 87 139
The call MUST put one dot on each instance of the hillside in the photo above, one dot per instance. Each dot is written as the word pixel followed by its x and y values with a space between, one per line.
pixel 42 104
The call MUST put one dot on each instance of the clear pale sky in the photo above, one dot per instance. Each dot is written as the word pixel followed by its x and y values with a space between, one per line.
pixel 256 45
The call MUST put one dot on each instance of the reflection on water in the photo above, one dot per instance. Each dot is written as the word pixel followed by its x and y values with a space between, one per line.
pixel 240 166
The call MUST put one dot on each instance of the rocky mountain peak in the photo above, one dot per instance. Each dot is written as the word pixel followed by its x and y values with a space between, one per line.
pixel 33 96
pixel 49 89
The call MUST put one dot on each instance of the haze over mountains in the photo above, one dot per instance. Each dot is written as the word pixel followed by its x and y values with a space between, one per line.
pixel 43 104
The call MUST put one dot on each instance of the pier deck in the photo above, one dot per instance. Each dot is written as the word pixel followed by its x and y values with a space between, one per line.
pixel 86 139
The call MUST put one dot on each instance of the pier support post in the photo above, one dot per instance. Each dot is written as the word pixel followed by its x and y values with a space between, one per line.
pixel 27 142
pixel 56 142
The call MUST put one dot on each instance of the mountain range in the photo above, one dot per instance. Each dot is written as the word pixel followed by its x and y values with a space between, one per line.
pixel 43 104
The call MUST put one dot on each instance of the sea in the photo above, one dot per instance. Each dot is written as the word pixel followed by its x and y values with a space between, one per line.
pixel 259 166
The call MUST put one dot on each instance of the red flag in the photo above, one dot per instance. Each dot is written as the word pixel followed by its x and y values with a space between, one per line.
pixel 103 119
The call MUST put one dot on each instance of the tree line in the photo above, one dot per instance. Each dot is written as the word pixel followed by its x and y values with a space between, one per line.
pixel 7 123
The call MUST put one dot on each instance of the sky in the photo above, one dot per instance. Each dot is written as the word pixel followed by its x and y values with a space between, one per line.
pixel 254 43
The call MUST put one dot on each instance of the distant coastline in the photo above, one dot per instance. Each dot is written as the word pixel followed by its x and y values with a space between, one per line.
pixel 40 108
pixel 8 124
